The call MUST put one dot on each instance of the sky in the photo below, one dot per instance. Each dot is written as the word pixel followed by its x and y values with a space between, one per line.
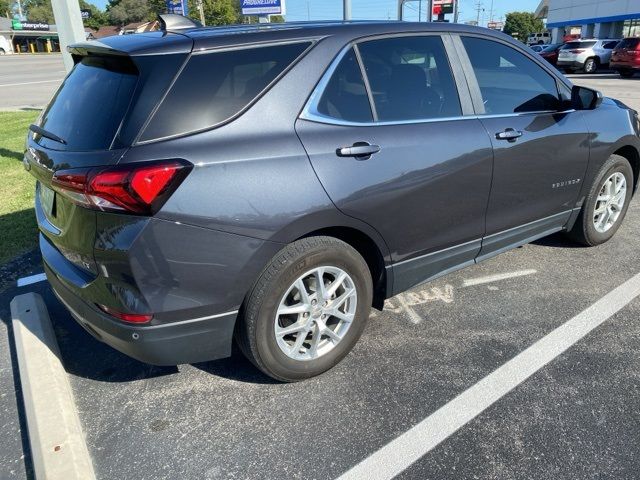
pixel 387 9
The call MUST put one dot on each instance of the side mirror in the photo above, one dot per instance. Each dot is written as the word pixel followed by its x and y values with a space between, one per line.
pixel 584 98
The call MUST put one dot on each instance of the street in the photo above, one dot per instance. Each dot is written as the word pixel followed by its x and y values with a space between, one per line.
pixel 29 81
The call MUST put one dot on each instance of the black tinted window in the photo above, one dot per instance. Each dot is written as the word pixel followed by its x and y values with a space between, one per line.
pixel 629 43
pixel 509 81
pixel 578 44
pixel 610 45
pixel 345 97
pixel 215 86
pixel 90 105
pixel 410 78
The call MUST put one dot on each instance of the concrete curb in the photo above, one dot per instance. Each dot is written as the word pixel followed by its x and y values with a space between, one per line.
pixel 58 447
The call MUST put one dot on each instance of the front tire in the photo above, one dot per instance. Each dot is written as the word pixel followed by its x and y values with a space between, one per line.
pixel 307 309
pixel 606 204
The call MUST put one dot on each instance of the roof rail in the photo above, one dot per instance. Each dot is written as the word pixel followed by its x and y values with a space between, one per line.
pixel 172 21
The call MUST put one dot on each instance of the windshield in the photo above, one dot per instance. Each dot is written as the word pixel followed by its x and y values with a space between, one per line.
pixel 89 106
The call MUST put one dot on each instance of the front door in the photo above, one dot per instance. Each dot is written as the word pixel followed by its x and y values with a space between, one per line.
pixel 407 162
pixel 541 154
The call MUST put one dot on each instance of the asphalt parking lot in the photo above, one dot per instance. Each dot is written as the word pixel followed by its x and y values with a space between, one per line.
pixel 576 417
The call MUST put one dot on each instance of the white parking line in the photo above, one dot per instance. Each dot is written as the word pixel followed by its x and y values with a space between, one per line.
pixel 40 277
pixel 406 449
pixel 496 278
pixel 29 83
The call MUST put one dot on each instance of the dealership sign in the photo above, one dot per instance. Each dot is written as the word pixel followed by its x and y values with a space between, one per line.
pixel 18 25
pixel 443 6
pixel 179 7
pixel 263 7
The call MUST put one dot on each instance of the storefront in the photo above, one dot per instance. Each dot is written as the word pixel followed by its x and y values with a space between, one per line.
pixel 29 37
pixel 592 18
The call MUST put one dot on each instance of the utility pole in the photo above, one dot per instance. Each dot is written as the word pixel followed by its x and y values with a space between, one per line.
pixel 430 11
pixel 479 10
pixel 420 10
pixel 70 27
pixel 308 11
pixel 346 10
pixel 491 12
pixel 201 10
pixel 456 11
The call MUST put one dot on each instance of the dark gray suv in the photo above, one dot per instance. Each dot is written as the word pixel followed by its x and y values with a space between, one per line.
pixel 273 183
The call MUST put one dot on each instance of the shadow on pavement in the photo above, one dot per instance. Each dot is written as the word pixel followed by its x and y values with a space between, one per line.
pixel 558 240
pixel 84 356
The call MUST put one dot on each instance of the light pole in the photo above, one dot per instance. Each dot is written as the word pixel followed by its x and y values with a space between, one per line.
pixel 70 27
pixel 346 10
pixel 201 10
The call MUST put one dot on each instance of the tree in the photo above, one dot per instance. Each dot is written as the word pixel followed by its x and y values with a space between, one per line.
pixel 6 7
pixel 217 12
pixel 522 24
pixel 98 17
pixel 38 11
pixel 122 12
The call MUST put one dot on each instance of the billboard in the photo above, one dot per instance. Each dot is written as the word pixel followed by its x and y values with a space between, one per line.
pixel 263 7
pixel 443 6
pixel 178 7
pixel 496 25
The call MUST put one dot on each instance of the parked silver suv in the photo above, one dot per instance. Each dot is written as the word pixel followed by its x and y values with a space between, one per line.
pixel 587 55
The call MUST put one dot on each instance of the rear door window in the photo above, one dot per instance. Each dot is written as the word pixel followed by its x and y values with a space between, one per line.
pixel 213 87
pixel 509 81
pixel 345 96
pixel 410 78
pixel 89 106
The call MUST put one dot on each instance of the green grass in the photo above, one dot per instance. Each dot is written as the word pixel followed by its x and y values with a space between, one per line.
pixel 18 230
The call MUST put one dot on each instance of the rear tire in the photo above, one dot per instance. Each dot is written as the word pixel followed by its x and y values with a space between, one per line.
pixel 291 282
pixel 592 228
pixel 591 65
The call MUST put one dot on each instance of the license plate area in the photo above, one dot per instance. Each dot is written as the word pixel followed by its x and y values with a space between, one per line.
pixel 47 200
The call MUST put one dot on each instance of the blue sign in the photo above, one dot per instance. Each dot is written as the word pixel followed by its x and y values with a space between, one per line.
pixel 263 7
pixel 178 7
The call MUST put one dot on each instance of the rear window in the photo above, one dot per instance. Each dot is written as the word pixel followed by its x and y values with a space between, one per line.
pixel 629 43
pixel 214 87
pixel 89 106
pixel 571 45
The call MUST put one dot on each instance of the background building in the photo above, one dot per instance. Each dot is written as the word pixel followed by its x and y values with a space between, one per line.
pixel 592 18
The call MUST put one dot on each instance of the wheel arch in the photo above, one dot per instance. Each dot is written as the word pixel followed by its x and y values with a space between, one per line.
pixel 633 156
pixel 370 251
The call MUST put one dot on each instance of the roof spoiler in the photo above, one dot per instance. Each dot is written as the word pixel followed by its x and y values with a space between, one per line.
pixel 171 22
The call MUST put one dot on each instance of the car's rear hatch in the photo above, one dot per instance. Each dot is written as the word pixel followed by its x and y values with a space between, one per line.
pixel 627 52
pixel 90 122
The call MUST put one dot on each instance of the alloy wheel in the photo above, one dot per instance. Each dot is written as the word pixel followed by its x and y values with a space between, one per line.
pixel 610 202
pixel 315 313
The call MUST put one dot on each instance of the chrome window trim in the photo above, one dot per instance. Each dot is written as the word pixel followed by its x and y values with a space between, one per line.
pixel 310 111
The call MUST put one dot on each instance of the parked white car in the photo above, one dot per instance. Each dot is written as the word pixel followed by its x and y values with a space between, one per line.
pixel 5 45
pixel 543 38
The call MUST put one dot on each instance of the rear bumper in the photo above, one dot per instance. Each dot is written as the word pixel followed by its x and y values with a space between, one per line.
pixel 186 341
pixel 625 66
pixel 574 64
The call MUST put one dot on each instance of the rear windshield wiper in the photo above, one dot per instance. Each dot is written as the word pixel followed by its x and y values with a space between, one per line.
pixel 43 133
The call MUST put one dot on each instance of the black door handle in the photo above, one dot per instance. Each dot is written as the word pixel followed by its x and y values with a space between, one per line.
pixel 359 150
pixel 509 134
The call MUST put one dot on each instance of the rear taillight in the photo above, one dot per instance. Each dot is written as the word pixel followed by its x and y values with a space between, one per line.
pixel 126 317
pixel 136 188
pixel 577 50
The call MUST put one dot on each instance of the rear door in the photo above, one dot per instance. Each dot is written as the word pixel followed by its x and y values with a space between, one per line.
pixel 541 153
pixel 399 148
